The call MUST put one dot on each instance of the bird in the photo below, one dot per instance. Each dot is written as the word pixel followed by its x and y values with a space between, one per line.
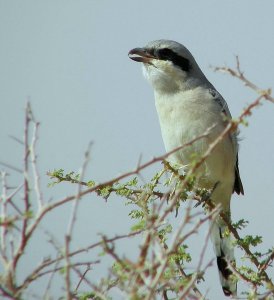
pixel 188 105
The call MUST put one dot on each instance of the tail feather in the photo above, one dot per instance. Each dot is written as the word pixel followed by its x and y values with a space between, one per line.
pixel 225 255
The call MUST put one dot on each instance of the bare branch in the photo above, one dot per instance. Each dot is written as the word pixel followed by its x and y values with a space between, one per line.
pixel 238 73
pixel 11 167
pixel 36 175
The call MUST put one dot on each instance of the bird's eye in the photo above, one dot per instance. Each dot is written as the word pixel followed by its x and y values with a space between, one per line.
pixel 164 53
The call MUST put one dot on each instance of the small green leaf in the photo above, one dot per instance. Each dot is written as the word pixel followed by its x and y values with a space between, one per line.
pixel 91 183
pixel 138 226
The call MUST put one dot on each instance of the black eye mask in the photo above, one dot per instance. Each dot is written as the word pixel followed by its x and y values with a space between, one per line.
pixel 176 59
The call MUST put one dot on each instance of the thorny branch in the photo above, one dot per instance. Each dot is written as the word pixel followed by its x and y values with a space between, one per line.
pixel 238 73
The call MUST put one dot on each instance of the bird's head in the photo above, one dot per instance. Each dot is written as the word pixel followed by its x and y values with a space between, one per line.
pixel 168 66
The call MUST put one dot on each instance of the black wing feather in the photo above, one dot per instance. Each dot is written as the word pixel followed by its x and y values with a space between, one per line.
pixel 238 186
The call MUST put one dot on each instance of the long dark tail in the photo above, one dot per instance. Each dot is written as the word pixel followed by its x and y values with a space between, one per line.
pixel 224 251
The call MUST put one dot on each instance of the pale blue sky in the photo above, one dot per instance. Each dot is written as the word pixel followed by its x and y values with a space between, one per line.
pixel 70 58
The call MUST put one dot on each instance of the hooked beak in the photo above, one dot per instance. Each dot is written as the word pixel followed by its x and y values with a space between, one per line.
pixel 140 55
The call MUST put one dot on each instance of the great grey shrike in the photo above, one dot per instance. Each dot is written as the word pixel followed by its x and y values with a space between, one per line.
pixel 188 105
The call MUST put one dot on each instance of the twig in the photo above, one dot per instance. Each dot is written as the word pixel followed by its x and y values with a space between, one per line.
pixel 36 175
pixel 72 222
pixel 7 294
pixel 16 140
pixel 48 262
pixel 72 265
pixel 23 240
pixel 267 263
pixel 67 268
pixel 82 276
pixel 10 197
pixel 240 75
pixel 4 216
pixel 11 167
pixel 51 276
pixel 214 214
pixel 78 194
